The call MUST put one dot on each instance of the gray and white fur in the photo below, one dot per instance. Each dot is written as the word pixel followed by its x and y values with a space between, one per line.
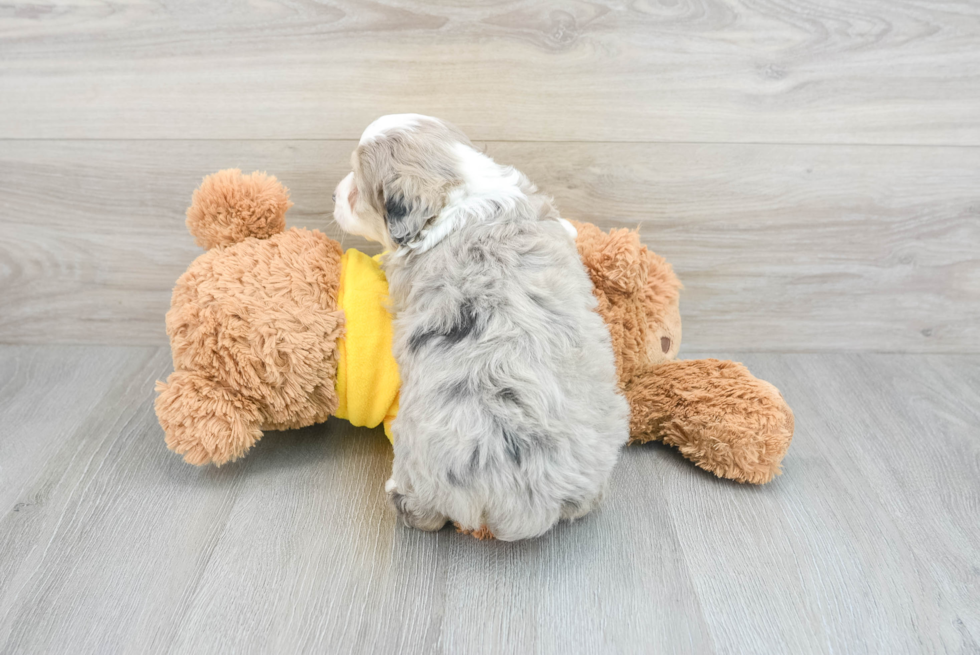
pixel 509 415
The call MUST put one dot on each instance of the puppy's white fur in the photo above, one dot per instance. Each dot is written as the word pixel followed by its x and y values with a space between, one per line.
pixel 391 122
pixel 509 415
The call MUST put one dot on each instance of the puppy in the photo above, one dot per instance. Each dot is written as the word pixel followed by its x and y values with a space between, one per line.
pixel 510 417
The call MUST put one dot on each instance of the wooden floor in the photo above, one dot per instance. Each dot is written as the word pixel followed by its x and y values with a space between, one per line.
pixel 869 542
pixel 811 169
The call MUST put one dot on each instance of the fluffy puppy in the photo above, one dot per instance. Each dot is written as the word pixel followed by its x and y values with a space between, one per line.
pixel 509 416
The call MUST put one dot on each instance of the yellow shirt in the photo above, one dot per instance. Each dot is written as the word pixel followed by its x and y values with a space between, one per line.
pixel 367 375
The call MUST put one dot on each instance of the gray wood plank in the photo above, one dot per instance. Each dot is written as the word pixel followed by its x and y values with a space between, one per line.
pixel 46 395
pixel 873 522
pixel 865 544
pixel 803 248
pixel 46 400
pixel 294 548
pixel 838 71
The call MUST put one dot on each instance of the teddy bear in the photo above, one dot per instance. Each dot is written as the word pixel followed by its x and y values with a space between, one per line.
pixel 273 329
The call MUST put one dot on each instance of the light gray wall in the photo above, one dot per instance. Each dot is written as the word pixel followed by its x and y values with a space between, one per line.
pixel 813 173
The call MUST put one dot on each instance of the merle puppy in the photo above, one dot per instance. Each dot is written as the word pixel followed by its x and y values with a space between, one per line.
pixel 510 418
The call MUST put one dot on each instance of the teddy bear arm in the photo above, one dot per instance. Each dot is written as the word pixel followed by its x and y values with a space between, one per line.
pixel 716 413
pixel 206 422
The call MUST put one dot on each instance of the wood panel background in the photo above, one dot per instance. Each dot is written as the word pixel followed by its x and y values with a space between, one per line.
pixel 834 71
pixel 812 170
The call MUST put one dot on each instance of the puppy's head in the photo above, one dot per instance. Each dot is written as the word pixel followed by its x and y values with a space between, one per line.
pixel 403 170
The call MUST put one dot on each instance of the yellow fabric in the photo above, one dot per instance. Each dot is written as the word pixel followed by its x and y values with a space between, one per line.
pixel 367 375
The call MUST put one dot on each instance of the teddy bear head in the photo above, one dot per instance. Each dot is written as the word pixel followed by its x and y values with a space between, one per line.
pixel 638 296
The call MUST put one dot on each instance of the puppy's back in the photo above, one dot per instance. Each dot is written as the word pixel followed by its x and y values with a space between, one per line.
pixel 510 415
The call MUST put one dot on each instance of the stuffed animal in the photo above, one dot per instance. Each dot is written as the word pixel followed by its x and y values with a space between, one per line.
pixel 274 329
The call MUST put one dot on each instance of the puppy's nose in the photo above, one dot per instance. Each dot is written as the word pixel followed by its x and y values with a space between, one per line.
pixel 334 197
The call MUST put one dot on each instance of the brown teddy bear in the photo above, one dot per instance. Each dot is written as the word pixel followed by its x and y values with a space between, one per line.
pixel 273 329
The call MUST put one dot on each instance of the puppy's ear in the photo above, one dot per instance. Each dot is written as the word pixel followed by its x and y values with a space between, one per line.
pixel 410 202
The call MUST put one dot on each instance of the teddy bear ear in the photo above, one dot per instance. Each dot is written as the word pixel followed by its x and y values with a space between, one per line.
pixel 230 207
pixel 614 259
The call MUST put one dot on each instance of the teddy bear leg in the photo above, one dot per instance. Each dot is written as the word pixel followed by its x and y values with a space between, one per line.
pixel 205 421
pixel 716 413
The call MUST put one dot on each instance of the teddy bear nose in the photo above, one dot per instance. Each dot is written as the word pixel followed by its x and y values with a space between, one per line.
pixel 665 344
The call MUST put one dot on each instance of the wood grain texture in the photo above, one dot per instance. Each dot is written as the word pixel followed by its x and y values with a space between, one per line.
pixel 810 169
pixel 109 543
pixel 873 510
pixel 806 248
pixel 838 71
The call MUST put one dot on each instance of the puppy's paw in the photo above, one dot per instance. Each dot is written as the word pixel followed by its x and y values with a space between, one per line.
pixel 410 511
pixel 572 510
